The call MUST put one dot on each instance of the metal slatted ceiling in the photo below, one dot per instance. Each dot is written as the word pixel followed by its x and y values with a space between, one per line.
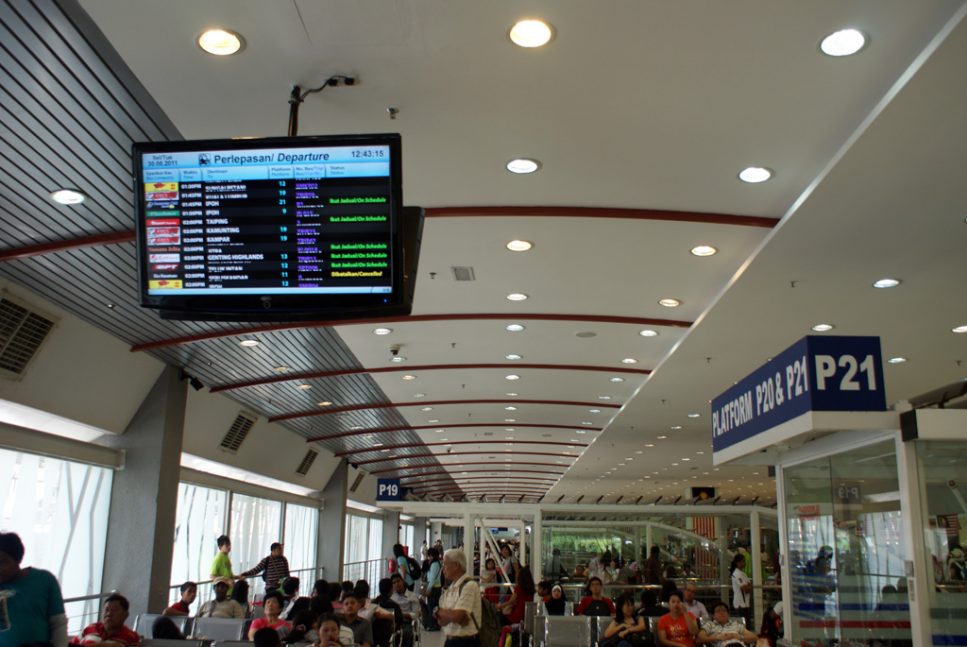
pixel 69 112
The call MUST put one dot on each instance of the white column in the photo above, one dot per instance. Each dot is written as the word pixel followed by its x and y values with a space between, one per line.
pixel 468 544
pixel 785 569
pixel 919 572
pixel 538 546
pixel 755 531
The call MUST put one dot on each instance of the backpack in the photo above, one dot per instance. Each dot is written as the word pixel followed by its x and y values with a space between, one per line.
pixel 413 568
pixel 488 627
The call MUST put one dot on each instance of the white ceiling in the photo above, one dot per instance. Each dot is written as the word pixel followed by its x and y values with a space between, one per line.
pixel 637 105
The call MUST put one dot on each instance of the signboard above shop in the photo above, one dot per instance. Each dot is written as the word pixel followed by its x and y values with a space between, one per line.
pixel 816 374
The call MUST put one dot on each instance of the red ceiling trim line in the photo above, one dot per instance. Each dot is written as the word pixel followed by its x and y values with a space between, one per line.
pixel 53 247
pixel 471 479
pixel 552 475
pixel 409 468
pixel 421 403
pixel 432 455
pixel 386 430
pixel 478 316
pixel 426 367
pixel 604 212
pixel 356 452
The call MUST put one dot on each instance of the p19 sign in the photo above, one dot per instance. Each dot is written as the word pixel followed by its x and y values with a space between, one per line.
pixel 388 490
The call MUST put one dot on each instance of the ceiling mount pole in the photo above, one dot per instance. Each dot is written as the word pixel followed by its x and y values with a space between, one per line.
pixel 295 99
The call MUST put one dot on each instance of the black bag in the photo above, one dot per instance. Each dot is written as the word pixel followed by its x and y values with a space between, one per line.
pixel 413 568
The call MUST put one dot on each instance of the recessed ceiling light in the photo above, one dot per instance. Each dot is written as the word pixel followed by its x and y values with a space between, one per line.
pixel 629 360
pixel 587 423
pixel 823 327
pixel 586 334
pixel 686 459
pixel 281 369
pixel 886 283
pixel 517 296
pixel 648 332
pixel 755 174
pixel 579 431
pixel 67 196
pixel 408 377
pixel 512 377
pixel 604 397
pixel 513 356
pixel 531 33
pixel 419 395
pixel 676 427
pixel 512 395
pixel 523 165
pixel 382 331
pixel 221 42
pixel 377 444
pixel 669 303
pixel 424 409
pixel 662 437
pixel 433 422
pixel 519 245
pixel 959 330
pixel 398 359
pixel 510 419
pixel 844 42
pixel 325 403
pixel 594 410
pixel 514 327
pixel 358 428
pixel 616 379
pixel 304 387
pixel 249 343
pixel 510 408
pixel 438 431
pixel 897 360
pixel 694 415
pixel 704 250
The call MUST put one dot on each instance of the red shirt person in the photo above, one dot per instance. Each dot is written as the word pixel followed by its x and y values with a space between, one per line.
pixel 111 630
pixel 677 628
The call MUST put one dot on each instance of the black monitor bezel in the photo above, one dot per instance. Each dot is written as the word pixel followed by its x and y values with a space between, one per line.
pixel 257 307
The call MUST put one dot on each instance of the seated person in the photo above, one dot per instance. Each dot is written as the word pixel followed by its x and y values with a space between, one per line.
pixel 649 605
pixel 346 589
pixel 693 605
pixel 189 591
pixel 222 606
pixel 239 593
pixel 678 627
pixel 361 627
pixel 368 610
pixel 723 631
pixel 595 604
pixel 292 604
pixel 319 601
pixel 625 629
pixel 303 628
pixel 384 628
pixel 329 634
pixel 110 631
pixel 409 603
pixel 164 628
pixel 556 604
pixel 266 637
pixel 272 605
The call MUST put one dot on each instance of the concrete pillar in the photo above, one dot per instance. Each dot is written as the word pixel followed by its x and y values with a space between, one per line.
pixel 436 532
pixel 332 524
pixel 391 532
pixel 420 535
pixel 537 554
pixel 144 499
pixel 755 530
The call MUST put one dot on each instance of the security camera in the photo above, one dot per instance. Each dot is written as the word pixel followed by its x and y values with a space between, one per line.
pixel 951 483
pixel 394 351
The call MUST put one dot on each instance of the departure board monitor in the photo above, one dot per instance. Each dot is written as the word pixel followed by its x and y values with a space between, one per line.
pixel 273 229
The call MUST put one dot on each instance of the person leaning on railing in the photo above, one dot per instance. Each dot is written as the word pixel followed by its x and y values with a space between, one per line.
pixel 31 605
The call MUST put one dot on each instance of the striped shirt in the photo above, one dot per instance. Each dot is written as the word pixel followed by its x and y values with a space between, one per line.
pixel 275 569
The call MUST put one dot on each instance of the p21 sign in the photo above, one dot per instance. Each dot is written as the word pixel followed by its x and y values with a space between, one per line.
pixel 817 373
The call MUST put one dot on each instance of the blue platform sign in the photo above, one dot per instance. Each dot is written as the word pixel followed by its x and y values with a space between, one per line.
pixel 817 373
pixel 388 490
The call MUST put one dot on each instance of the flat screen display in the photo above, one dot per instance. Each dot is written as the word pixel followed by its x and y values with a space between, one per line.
pixel 283 226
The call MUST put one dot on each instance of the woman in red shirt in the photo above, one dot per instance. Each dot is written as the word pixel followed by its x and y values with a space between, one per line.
pixel 513 608
pixel 677 628
pixel 273 608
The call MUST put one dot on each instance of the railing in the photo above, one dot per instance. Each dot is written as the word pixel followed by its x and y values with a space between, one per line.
pixel 371 571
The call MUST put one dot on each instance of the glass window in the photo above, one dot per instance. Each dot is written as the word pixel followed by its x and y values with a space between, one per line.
pixel 301 528
pixel 199 521
pixel 845 547
pixel 362 556
pixel 60 510
pixel 942 467
pixel 256 525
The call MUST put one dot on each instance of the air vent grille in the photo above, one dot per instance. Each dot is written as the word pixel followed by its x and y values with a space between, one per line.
pixel 307 462
pixel 238 432
pixel 359 479
pixel 463 273
pixel 21 334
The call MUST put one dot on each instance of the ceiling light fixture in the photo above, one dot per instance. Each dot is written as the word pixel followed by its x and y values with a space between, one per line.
pixel 897 360
pixel 662 437
pixel 382 331
pixel 512 377
pixel 616 379
pixel 669 303
pixel 517 296
pixel 67 196
pixel 844 42
pixel 886 283
pixel 523 166
pixel 530 33
pixel 648 332
pixel 249 343
pixel 694 415
pixel 408 377
pixel 959 330
pixel 519 245
pixel 703 250
pixel 304 387
pixel 281 369
pixel 755 174
pixel 513 356
pixel 510 408
pixel 221 42
pixel 629 360
pixel 397 359
pixel 675 427
pixel 594 410
pixel 325 403
pixel 823 327
pixel 514 327
pixel 604 397
pixel 425 409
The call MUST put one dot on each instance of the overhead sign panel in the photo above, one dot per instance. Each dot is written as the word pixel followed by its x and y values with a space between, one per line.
pixel 388 490
pixel 817 373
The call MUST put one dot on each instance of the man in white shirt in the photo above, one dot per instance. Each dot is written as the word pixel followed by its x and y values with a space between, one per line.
pixel 692 605
pixel 409 604
pixel 459 611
